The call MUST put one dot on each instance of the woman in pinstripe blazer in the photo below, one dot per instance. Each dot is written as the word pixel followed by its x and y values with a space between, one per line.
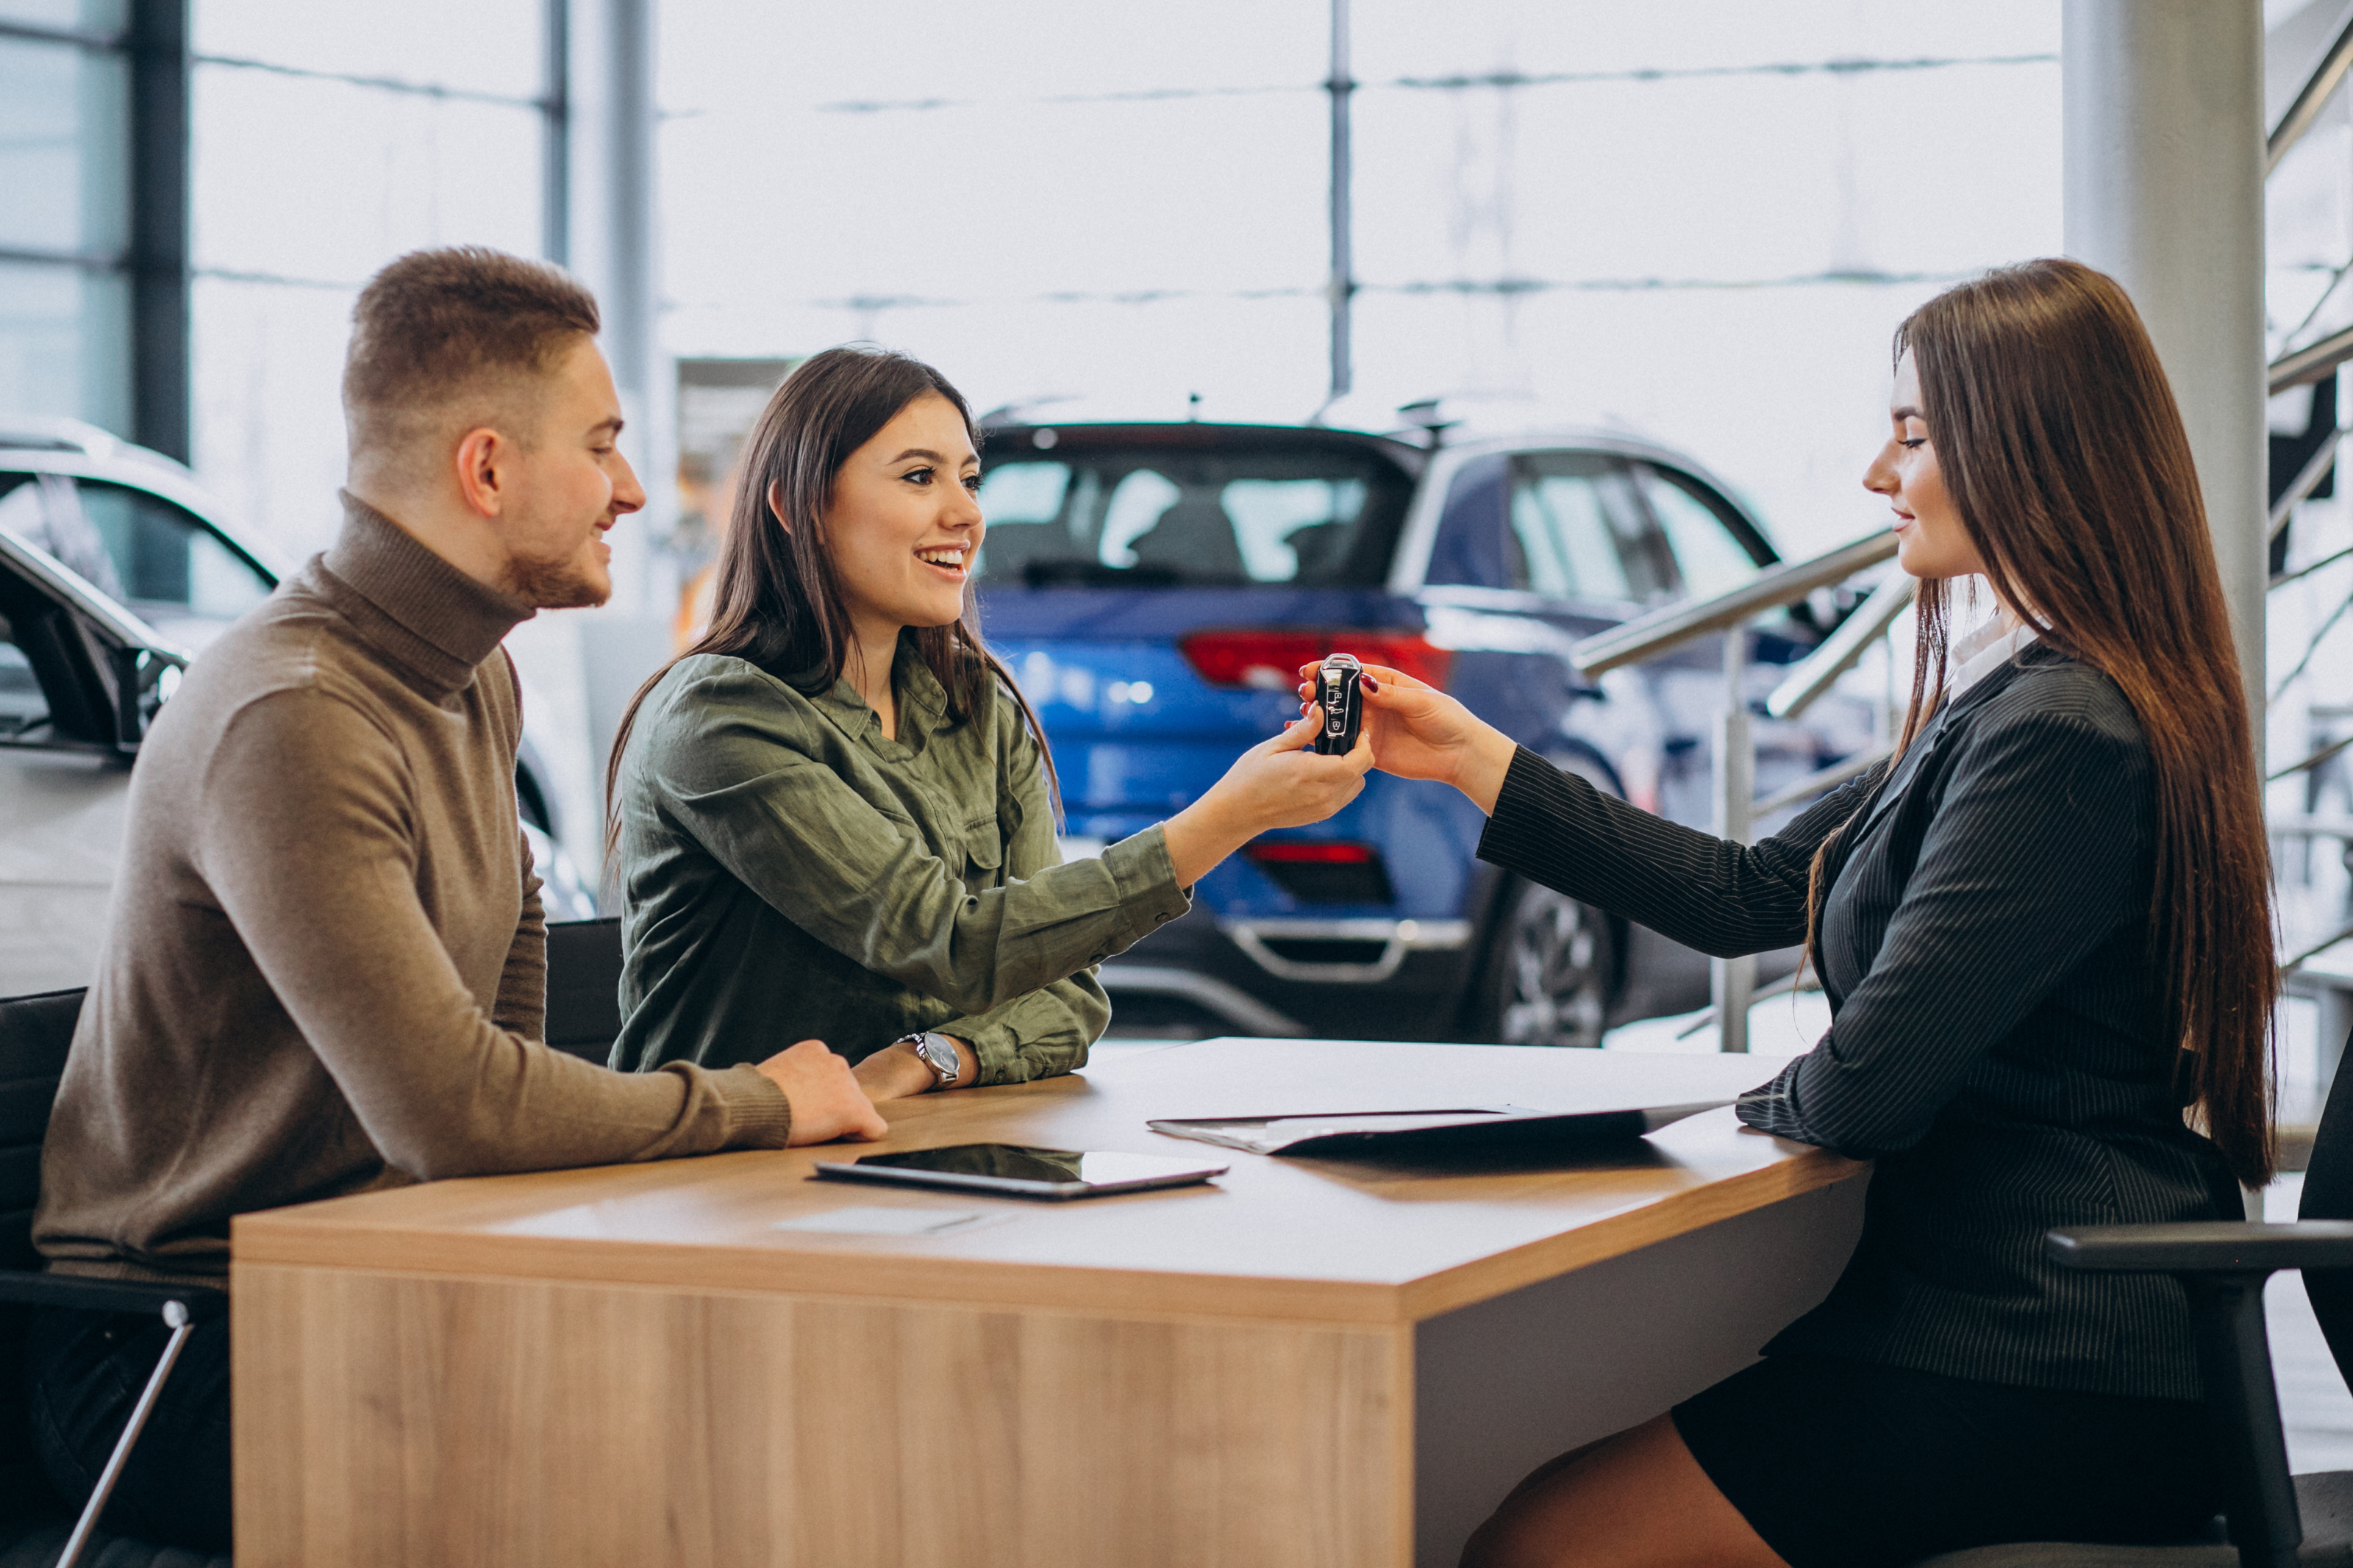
pixel 2044 932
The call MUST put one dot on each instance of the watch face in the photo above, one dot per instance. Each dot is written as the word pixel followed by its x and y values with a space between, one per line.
pixel 940 1055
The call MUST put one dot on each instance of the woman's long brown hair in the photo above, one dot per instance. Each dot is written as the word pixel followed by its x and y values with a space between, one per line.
pixel 2064 451
pixel 777 596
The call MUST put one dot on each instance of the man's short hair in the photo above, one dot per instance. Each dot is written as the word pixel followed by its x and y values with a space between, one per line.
pixel 445 340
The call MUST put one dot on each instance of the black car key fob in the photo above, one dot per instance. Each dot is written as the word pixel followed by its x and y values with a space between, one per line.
pixel 1340 700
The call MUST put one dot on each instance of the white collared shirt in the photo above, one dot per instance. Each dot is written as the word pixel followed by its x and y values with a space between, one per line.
pixel 1982 651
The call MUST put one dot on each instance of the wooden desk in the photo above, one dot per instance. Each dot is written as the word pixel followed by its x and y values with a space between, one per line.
pixel 1311 1364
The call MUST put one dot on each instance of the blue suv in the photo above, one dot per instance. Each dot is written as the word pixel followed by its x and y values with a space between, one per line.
pixel 1154 587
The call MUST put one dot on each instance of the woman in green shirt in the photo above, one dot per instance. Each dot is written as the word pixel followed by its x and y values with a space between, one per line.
pixel 833 816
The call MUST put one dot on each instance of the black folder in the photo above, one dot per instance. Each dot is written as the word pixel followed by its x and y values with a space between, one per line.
pixel 1514 1127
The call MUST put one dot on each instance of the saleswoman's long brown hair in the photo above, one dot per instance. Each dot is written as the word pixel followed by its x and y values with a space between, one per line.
pixel 2064 453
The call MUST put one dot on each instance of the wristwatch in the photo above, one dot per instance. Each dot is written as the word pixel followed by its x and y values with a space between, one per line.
pixel 938 1053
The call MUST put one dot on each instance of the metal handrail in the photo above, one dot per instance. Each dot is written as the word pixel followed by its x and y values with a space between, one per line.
pixel 1819 670
pixel 1647 637
pixel 2311 647
pixel 1801 978
pixel 2295 573
pixel 2298 960
pixel 2313 761
pixel 2282 825
pixel 2315 469
pixel 1732 982
pixel 2315 361
pixel 1819 782
pixel 2312 362
pixel 2304 113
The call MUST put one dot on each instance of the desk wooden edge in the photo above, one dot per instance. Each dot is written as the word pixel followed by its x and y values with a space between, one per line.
pixel 292 1237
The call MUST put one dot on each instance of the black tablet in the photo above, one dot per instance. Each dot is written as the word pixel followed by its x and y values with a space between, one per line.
pixel 1016 1170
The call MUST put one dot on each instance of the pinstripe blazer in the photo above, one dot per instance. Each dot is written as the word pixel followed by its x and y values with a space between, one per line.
pixel 1996 1043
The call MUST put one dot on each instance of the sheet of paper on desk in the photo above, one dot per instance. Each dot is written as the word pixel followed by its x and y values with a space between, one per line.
pixel 869 1220
pixel 1475 1127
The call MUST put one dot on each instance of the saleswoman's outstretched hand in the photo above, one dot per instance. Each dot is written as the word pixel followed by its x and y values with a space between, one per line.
pixel 1419 732
pixel 1276 783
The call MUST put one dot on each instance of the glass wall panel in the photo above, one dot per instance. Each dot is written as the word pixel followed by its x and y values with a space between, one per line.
pixel 266 405
pixel 1397 39
pixel 718 56
pixel 1124 201
pixel 473 46
pixel 304 184
pixel 1163 196
pixel 64 136
pixel 327 181
pixel 64 343
pixel 84 16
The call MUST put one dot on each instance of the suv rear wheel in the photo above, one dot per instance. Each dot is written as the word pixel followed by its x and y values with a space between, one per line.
pixel 1550 966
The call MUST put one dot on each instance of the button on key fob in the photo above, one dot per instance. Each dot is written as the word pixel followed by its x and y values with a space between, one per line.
pixel 1340 700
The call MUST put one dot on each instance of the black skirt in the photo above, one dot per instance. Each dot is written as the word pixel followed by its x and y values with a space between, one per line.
pixel 1842 1464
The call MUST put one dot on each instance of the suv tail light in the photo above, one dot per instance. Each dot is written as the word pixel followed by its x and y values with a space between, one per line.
pixel 1324 871
pixel 1268 658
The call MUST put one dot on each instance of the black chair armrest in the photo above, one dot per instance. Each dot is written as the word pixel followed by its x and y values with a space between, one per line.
pixel 24 1287
pixel 2222 1265
pixel 2214 1247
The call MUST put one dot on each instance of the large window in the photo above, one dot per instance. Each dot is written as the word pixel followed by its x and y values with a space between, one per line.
pixel 65 212
pixel 329 140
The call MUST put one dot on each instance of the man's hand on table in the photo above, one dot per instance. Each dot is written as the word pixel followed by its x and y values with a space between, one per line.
pixel 895 1072
pixel 826 1099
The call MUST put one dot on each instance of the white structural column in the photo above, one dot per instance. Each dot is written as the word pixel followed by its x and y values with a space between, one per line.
pixel 613 220
pixel 2164 131
pixel 612 239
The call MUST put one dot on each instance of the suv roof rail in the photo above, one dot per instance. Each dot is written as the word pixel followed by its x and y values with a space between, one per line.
pixel 1019 411
pixel 51 433
pixel 48 433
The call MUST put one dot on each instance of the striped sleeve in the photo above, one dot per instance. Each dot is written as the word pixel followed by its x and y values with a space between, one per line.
pixel 1706 892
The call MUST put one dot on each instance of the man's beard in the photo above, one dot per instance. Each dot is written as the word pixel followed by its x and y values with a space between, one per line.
pixel 549 583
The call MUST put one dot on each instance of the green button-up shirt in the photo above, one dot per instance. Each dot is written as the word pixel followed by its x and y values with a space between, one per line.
pixel 790 872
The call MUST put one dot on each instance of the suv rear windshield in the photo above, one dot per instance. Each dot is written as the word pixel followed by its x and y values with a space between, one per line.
pixel 1064 509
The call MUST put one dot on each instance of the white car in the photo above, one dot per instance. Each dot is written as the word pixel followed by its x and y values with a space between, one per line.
pixel 115 571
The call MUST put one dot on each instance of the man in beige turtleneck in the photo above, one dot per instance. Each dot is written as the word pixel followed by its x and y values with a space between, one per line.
pixel 324 966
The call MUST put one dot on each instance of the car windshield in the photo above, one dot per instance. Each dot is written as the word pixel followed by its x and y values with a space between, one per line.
pixel 1313 514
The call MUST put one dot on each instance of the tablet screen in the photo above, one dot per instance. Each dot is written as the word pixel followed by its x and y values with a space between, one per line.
pixel 1027 1163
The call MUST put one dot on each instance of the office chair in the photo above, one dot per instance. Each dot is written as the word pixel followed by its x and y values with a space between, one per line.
pixel 35 1032
pixel 2275 1521
pixel 584 989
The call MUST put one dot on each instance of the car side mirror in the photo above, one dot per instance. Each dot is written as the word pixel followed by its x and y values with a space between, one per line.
pixel 144 679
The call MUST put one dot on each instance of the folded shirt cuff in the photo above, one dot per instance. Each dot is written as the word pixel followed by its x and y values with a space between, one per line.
pixel 1149 897
pixel 993 1045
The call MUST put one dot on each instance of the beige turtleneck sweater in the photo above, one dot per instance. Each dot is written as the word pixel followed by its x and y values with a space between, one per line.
pixel 324 967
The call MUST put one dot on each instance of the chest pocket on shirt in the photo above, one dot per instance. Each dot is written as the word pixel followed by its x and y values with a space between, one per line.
pixel 984 850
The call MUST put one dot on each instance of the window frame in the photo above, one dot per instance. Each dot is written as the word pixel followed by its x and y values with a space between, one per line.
pixel 153 40
pixel 196 524
pixel 1725 510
